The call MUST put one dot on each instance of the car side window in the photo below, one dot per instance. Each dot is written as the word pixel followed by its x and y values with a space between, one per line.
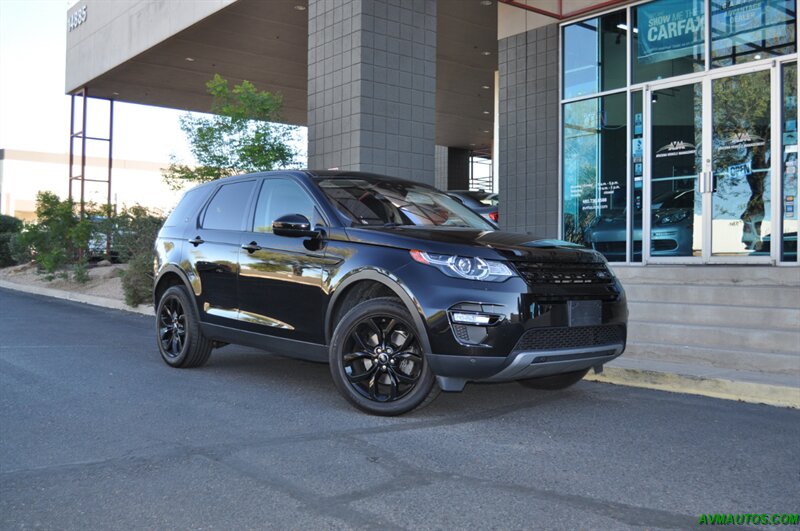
pixel 227 209
pixel 187 207
pixel 279 197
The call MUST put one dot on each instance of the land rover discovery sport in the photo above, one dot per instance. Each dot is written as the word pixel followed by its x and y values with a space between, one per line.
pixel 401 288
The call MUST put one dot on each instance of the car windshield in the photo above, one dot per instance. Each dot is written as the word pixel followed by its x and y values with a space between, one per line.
pixel 682 199
pixel 397 203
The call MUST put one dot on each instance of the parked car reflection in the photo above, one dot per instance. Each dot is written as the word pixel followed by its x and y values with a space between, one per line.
pixel 672 228
pixel 484 203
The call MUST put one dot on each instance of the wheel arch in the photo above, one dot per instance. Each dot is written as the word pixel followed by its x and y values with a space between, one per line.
pixel 169 276
pixel 374 279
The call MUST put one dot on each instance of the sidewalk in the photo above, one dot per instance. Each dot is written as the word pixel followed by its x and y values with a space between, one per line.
pixel 745 386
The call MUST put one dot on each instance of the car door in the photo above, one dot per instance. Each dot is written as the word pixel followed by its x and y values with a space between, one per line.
pixel 281 278
pixel 213 250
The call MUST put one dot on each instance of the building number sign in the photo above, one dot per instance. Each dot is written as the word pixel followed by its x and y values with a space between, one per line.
pixel 77 18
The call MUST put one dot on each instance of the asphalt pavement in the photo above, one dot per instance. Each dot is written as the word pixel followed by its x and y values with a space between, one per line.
pixel 96 432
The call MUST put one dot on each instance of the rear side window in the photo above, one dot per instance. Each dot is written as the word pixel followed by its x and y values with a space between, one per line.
pixel 226 211
pixel 280 197
pixel 188 206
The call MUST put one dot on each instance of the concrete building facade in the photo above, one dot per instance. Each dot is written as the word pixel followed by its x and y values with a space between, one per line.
pixel 662 133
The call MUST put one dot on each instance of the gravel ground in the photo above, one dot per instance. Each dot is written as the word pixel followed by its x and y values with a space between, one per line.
pixel 104 281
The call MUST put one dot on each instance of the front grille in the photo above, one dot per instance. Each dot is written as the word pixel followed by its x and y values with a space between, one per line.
pixel 665 245
pixel 570 337
pixel 564 273
pixel 560 282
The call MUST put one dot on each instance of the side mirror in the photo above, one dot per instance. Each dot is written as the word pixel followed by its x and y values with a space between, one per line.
pixel 294 226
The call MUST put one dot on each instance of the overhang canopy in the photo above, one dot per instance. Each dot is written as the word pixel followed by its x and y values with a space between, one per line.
pixel 160 53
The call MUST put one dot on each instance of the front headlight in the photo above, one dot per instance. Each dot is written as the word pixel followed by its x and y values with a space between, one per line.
pixel 465 267
pixel 672 217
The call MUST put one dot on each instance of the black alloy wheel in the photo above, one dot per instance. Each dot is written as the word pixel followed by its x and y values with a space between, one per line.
pixel 377 359
pixel 180 340
pixel 172 327
pixel 382 359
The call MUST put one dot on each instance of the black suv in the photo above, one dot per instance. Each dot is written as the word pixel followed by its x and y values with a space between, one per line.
pixel 401 288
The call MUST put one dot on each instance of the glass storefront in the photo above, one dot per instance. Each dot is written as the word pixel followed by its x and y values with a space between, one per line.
pixel 681 157
pixel 595 184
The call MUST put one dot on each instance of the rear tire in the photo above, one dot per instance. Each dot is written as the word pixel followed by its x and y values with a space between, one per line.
pixel 377 362
pixel 180 341
pixel 555 382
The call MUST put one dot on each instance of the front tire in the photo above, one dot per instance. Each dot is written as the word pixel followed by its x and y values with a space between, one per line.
pixel 180 341
pixel 377 361
pixel 555 382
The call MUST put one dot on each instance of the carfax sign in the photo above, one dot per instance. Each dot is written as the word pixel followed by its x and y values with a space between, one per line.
pixel 669 29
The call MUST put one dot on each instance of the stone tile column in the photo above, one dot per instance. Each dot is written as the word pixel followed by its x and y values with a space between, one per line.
pixel 372 86
pixel 529 193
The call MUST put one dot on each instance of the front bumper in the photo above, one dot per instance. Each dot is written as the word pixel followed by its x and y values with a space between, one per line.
pixel 453 372
pixel 536 330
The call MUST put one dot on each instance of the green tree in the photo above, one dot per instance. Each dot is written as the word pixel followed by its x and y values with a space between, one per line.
pixel 240 136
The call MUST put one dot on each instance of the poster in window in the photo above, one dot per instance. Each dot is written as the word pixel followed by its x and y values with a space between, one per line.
pixel 670 29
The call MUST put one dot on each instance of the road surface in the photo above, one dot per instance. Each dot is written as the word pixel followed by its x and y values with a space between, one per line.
pixel 96 432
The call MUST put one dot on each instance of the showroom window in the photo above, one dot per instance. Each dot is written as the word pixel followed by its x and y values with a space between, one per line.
pixel 668 39
pixel 661 72
pixel 595 187
pixel 744 31
pixel 595 55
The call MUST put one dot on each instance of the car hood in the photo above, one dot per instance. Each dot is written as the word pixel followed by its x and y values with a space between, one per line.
pixel 472 242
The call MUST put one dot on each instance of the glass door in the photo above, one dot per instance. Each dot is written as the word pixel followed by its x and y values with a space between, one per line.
pixel 710 165
pixel 741 158
pixel 674 198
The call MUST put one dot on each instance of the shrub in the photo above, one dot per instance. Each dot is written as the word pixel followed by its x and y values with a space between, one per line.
pixel 6 258
pixel 9 227
pixel 19 250
pixel 80 272
pixel 9 224
pixel 137 281
pixel 136 231
pixel 58 236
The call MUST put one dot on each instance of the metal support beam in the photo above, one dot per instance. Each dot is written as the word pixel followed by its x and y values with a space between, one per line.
pixel 82 137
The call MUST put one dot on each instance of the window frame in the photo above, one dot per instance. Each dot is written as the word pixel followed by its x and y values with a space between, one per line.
pixel 251 217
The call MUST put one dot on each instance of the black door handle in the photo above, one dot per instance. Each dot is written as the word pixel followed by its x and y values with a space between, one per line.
pixel 251 247
pixel 197 240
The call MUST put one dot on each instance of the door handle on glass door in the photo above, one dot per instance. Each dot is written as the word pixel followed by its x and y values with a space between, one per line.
pixel 706 183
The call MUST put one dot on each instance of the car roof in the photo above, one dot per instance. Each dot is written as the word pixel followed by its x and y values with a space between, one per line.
pixel 318 175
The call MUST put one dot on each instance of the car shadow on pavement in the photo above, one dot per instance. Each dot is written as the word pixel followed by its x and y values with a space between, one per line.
pixel 311 383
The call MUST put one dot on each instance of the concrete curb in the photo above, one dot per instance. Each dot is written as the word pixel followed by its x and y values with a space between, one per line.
pixel 662 380
pixel 751 392
pixel 94 300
